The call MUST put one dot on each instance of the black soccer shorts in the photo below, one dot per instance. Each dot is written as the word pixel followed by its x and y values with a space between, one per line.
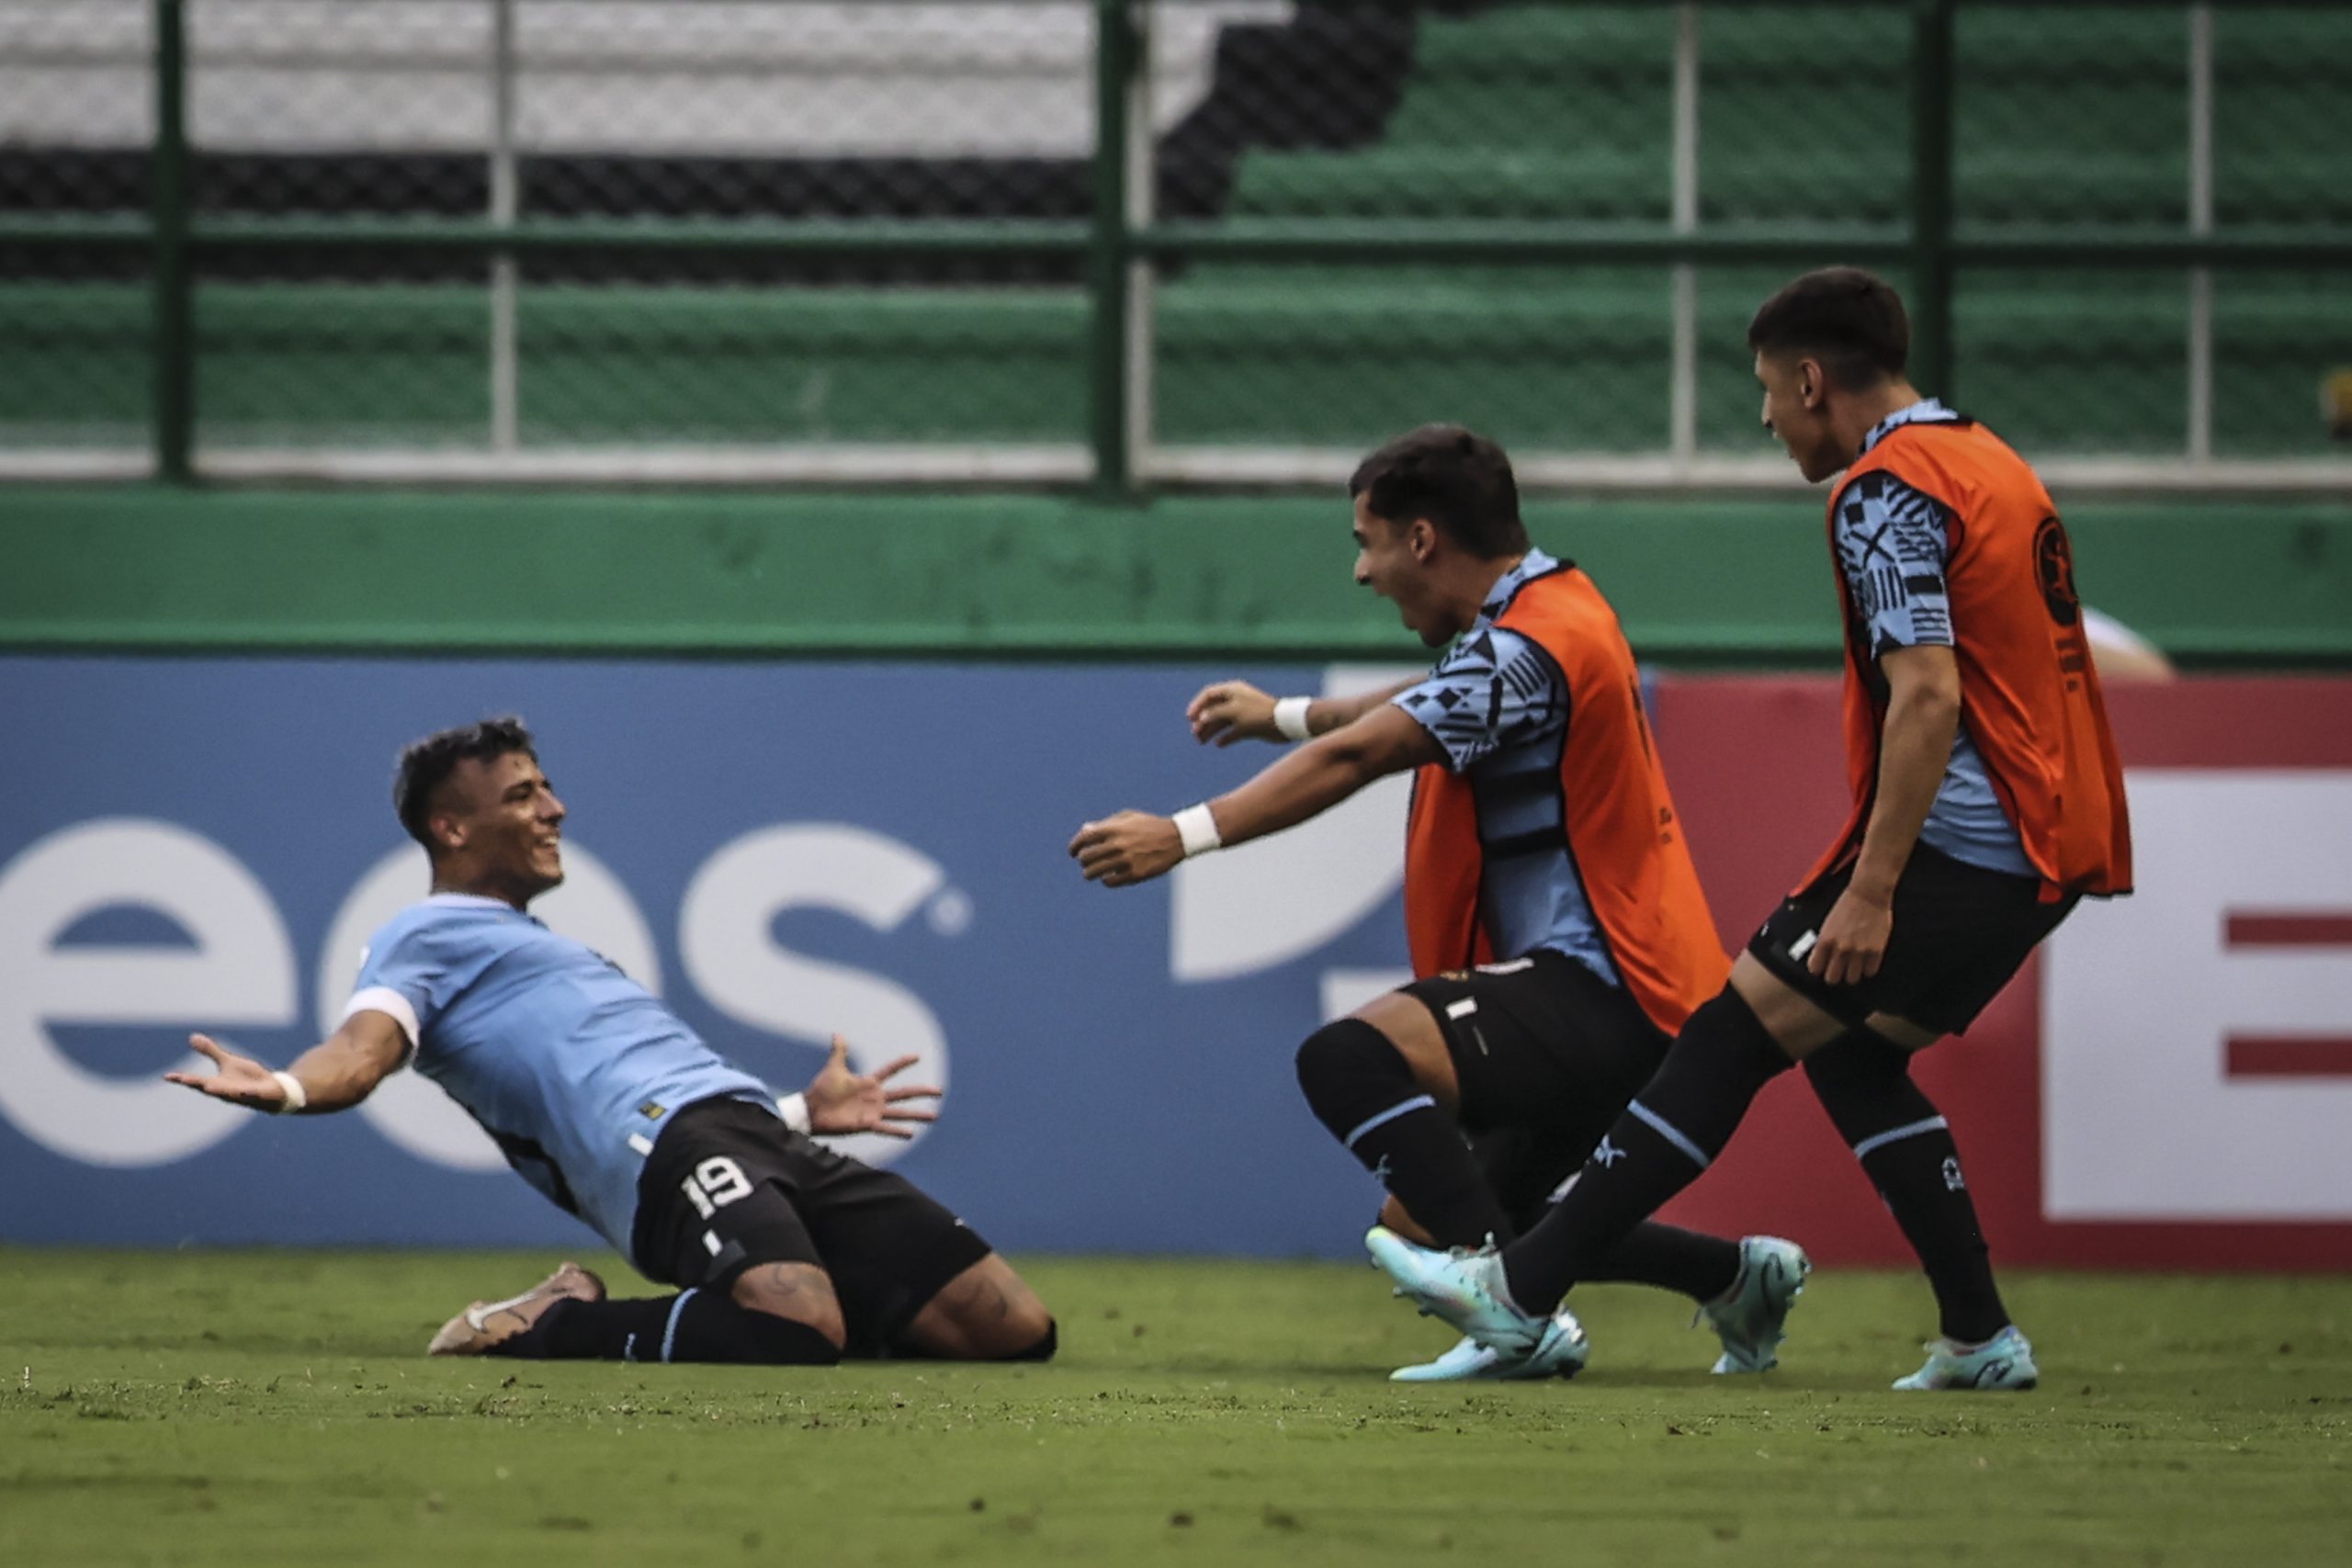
pixel 729 1186
pixel 1545 1051
pixel 1961 932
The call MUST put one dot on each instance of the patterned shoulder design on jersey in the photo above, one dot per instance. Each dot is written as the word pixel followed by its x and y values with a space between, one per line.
pixel 1495 687
pixel 1893 544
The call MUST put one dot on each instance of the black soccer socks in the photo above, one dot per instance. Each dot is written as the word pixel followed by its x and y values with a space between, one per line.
pixel 1359 1086
pixel 1699 1266
pixel 1907 1151
pixel 694 1326
pixel 1669 1133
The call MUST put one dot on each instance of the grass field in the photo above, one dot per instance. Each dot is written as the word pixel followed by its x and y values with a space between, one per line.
pixel 274 1407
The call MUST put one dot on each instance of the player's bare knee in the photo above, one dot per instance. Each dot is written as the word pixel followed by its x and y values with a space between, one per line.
pixel 1799 1024
pixel 802 1291
pixel 1411 1030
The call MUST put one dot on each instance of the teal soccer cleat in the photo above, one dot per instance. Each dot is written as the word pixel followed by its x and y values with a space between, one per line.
pixel 1562 1354
pixel 1748 1316
pixel 2004 1362
pixel 1464 1288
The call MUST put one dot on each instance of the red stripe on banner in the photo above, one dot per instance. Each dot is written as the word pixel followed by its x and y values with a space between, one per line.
pixel 2234 722
pixel 2288 1056
pixel 2288 930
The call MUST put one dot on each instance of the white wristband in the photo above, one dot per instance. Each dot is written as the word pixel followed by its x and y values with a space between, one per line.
pixel 295 1096
pixel 1198 827
pixel 1289 717
pixel 794 1109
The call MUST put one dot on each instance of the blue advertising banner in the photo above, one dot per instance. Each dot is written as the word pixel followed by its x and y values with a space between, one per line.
pixel 781 851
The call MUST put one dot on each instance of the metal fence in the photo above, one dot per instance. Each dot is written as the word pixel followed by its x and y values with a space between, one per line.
pixel 1131 242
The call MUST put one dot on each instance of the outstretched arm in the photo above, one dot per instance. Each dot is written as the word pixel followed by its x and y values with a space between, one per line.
pixel 335 1075
pixel 1236 710
pixel 1135 846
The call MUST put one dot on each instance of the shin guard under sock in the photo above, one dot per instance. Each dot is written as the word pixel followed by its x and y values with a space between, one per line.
pixel 1906 1149
pixel 1669 1133
pixel 1361 1088
pixel 694 1326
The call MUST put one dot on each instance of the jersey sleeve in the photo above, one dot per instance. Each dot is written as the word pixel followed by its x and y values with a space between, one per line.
pixel 1495 687
pixel 404 976
pixel 1893 544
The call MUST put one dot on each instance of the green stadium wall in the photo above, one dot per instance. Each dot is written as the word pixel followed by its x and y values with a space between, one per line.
pixel 979 576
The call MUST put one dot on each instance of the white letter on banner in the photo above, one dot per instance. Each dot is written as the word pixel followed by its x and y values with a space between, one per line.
pixel 723 939
pixel 2142 1119
pixel 1268 902
pixel 591 906
pixel 241 972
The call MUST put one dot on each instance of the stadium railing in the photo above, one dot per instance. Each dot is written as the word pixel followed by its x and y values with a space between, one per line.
pixel 1156 274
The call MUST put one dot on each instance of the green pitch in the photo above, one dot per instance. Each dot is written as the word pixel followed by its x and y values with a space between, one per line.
pixel 273 1408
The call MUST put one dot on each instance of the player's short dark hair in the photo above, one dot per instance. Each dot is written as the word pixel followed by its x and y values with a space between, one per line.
pixel 1457 479
pixel 1851 320
pixel 426 764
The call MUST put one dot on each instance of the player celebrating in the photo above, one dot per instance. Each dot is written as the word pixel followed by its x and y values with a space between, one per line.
pixel 1987 802
pixel 1557 930
pixel 604 1101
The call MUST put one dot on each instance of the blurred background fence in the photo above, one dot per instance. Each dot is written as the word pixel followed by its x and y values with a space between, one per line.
pixel 1130 244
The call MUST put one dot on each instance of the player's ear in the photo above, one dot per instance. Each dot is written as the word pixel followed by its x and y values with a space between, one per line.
pixel 1812 384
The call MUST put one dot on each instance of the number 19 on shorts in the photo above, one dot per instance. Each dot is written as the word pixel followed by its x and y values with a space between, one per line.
pixel 716 1183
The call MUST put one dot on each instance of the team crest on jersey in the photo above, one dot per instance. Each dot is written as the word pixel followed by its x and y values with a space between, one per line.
pixel 653 1111
pixel 2053 564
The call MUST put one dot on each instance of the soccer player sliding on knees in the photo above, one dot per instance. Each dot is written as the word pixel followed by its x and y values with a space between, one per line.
pixel 1557 930
pixel 608 1103
pixel 1987 801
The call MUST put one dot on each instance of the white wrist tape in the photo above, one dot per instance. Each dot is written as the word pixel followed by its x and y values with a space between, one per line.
pixel 295 1096
pixel 1197 828
pixel 1289 717
pixel 794 1109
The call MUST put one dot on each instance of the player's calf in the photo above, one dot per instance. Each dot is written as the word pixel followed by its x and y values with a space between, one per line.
pixel 987 1312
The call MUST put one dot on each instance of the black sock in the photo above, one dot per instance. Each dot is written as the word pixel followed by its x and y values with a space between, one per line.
pixel 1699 1266
pixel 1669 1133
pixel 1360 1087
pixel 1907 1151
pixel 696 1326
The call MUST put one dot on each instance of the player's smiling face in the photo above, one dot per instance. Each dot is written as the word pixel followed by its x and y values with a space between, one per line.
pixel 508 827
pixel 1389 561
pixel 1797 410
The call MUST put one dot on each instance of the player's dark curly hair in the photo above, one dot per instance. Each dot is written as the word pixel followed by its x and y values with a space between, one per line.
pixel 426 764
pixel 1457 479
pixel 1849 320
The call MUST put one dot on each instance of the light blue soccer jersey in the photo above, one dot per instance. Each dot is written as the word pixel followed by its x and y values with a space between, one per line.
pixel 1500 708
pixel 570 1065
pixel 1893 544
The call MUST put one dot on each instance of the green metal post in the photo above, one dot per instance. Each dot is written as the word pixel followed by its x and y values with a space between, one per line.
pixel 1931 140
pixel 174 349
pixel 1115 65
